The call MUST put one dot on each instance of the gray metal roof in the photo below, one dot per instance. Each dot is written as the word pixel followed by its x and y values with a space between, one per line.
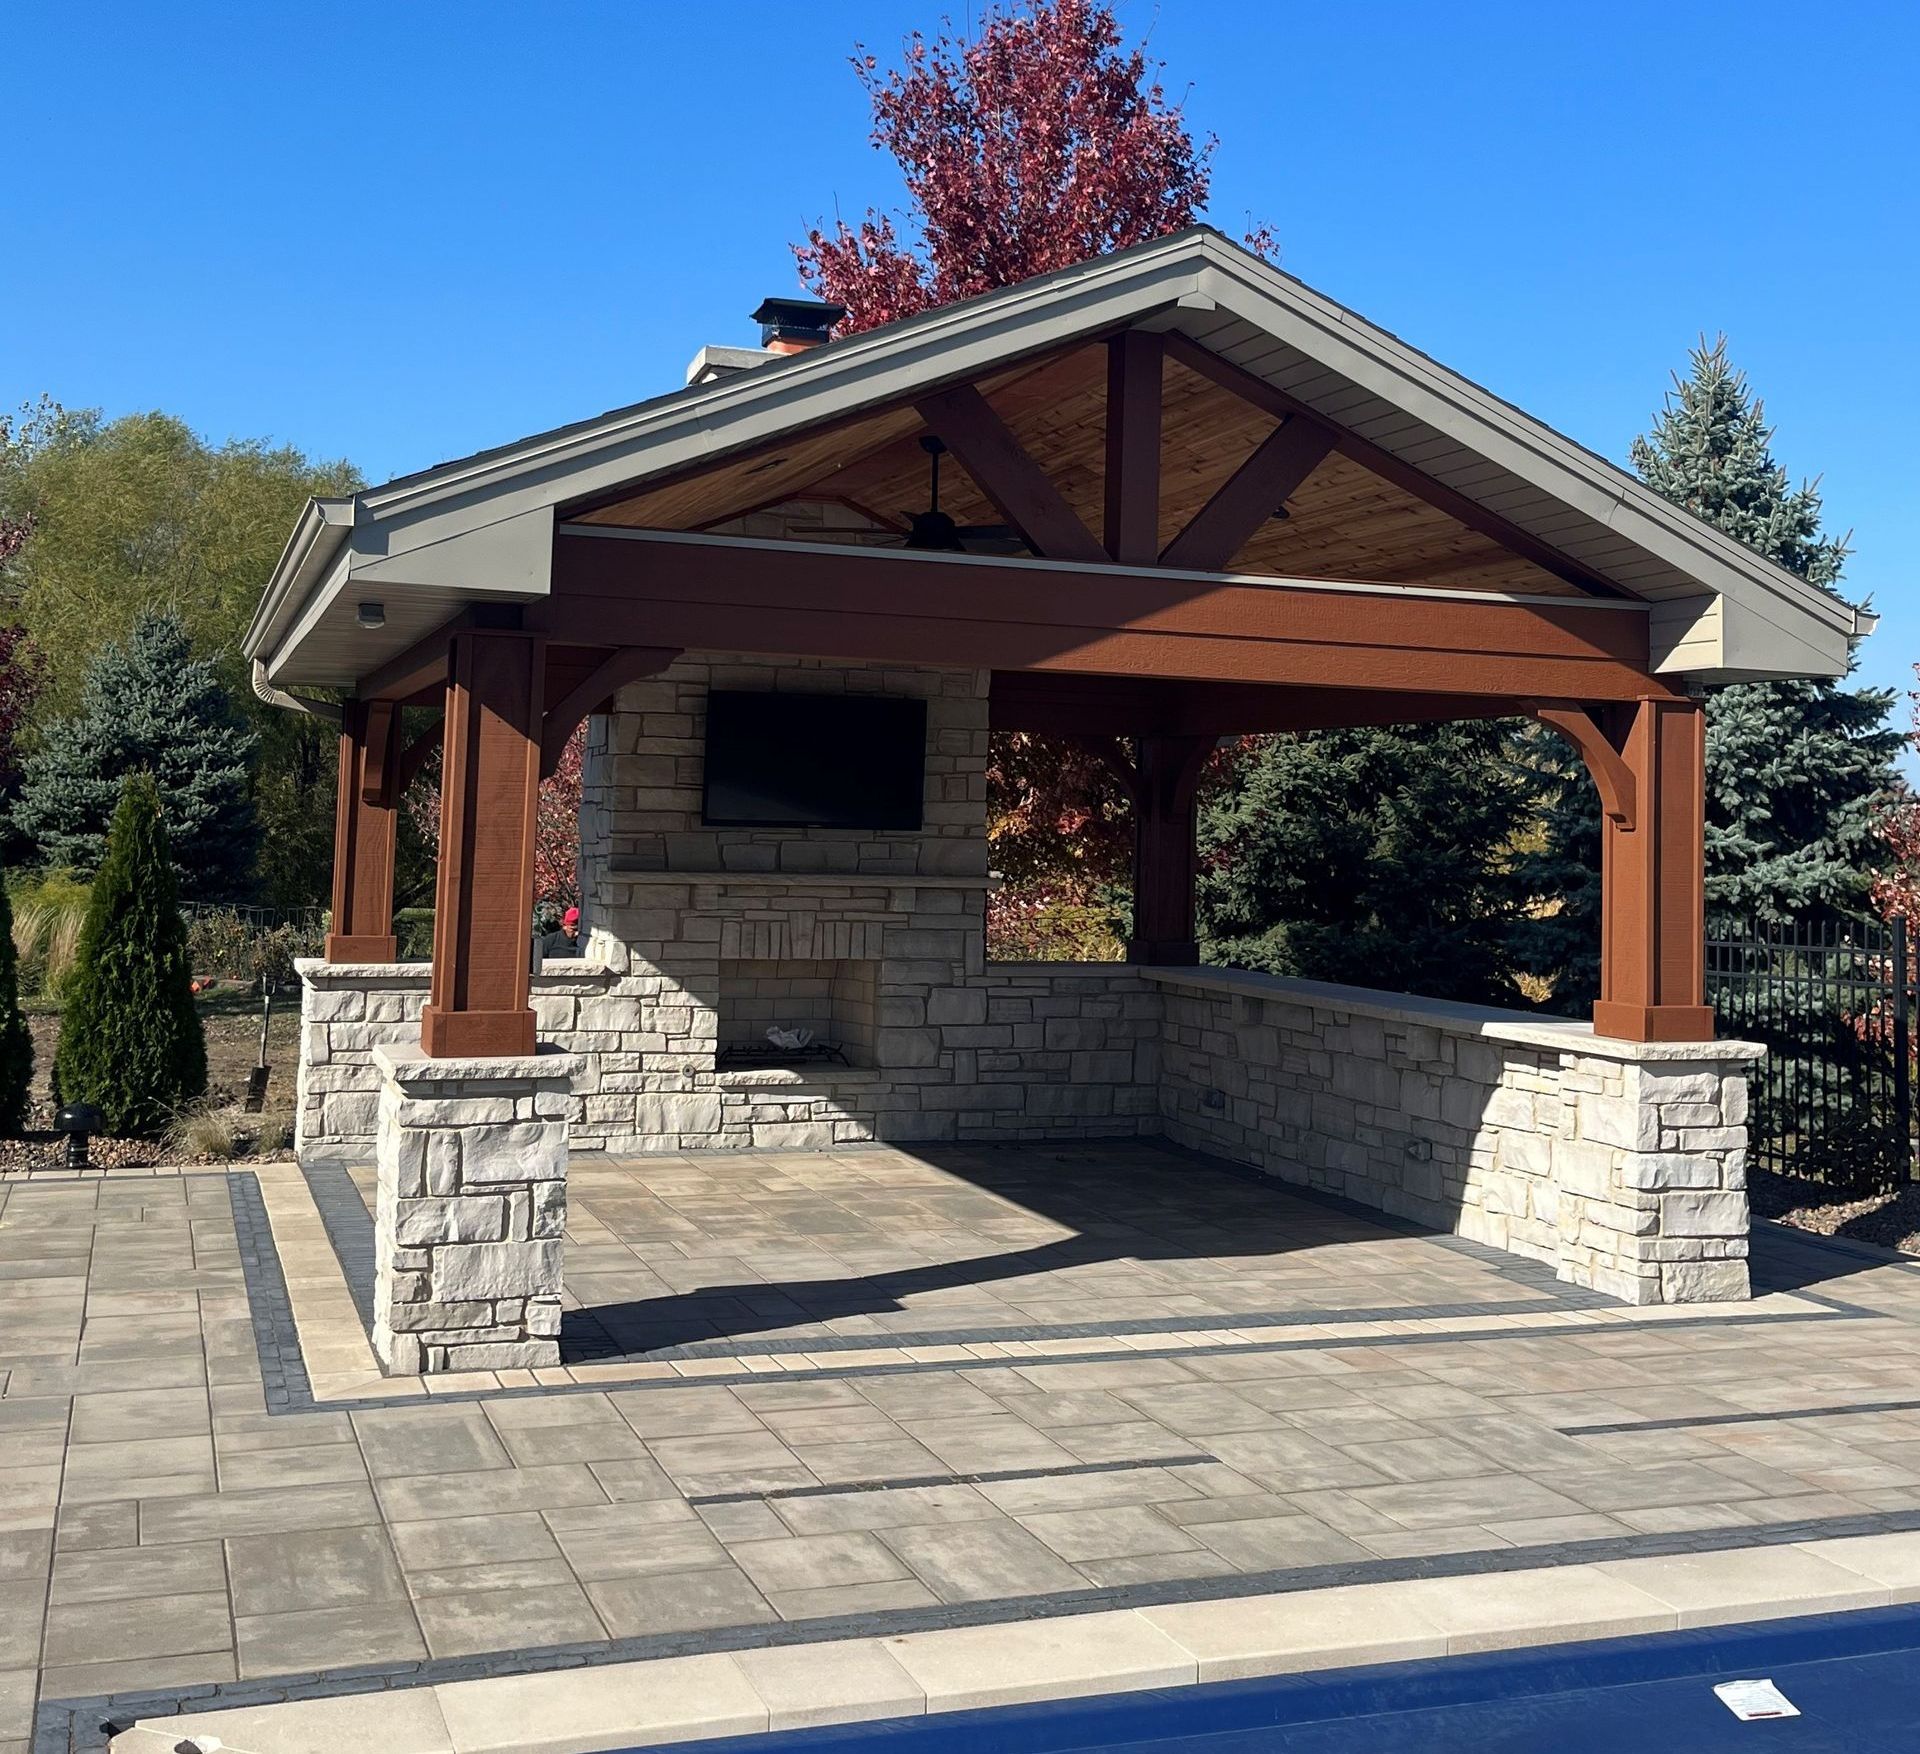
pixel 481 526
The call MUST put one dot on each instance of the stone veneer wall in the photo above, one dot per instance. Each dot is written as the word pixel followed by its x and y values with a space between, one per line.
pixel 1622 1164
pixel 690 919
pixel 349 1009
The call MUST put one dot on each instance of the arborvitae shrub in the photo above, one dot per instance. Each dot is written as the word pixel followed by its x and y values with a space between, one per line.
pixel 130 1038
pixel 16 1045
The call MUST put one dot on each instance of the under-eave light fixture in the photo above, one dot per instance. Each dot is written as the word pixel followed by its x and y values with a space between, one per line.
pixel 371 615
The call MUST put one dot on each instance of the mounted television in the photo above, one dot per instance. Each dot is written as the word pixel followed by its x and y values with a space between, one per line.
pixel 814 761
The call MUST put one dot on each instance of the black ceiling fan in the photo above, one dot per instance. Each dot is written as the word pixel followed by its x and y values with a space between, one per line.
pixel 933 532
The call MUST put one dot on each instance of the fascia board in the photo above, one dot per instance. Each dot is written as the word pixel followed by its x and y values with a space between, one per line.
pixel 763 405
pixel 1347 344
pixel 512 557
pixel 309 610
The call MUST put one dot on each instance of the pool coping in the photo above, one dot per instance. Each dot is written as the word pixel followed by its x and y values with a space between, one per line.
pixel 719 1693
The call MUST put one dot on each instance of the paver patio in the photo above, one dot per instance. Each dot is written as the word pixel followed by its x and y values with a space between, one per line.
pixel 837 1394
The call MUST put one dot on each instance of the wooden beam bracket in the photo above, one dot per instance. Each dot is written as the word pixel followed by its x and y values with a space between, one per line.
pixel 612 673
pixel 1612 777
pixel 1275 401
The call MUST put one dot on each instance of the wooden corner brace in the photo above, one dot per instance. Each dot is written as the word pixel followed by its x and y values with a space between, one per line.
pixel 1612 777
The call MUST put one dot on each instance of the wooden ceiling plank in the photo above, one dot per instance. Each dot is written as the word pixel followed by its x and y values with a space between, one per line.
pixel 1391 468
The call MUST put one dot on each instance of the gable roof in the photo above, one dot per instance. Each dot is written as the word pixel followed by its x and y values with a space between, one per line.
pixel 481 526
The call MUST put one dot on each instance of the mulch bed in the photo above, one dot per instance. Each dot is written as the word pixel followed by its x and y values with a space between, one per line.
pixel 1890 1220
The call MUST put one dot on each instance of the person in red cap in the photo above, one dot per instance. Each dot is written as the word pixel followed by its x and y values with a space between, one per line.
pixel 564 939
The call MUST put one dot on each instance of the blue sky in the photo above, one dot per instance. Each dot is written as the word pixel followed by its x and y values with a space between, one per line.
pixel 403 232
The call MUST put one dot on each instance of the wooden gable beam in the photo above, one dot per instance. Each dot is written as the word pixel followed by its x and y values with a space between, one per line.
pixel 964 421
pixel 1053 705
pixel 811 600
pixel 1251 495
pixel 1388 467
pixel 1135 362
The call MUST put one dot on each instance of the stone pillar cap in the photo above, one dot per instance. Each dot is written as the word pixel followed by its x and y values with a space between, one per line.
pixel 410 1063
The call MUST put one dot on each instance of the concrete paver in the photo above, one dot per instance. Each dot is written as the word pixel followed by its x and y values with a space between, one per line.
pixel 1313 1422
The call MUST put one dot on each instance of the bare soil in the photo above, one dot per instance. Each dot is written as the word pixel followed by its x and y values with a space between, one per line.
pixel 230 1014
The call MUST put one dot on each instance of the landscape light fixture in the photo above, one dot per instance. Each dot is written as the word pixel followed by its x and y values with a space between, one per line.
pixel 77 1120
pixel 372 615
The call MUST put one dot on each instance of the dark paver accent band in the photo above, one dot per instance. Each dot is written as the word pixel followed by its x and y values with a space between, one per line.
pixel 1703 1420
pixel 994 1477
pixel 276 1336
pixel 82 1726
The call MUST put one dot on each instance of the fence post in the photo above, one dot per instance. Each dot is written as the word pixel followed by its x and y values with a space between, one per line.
pixel 1902 1071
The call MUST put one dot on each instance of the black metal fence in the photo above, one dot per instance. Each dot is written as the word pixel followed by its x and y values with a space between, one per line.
pixel 1832 1001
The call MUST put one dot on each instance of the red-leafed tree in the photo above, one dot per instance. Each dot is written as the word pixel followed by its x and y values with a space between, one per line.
pixel 1039 142
pixel 556 823
pixel 1042 140
pixel 1896 891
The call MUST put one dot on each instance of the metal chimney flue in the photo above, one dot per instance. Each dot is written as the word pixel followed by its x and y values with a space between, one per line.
pixel 793 325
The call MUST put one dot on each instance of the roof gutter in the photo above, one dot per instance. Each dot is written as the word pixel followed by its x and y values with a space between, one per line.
pixel 310 553
pixel 292 703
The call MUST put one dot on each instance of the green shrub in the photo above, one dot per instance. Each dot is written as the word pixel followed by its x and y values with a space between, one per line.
pixel 228 943
pixel 130 1037
pixel 16 1044
pixel 413 934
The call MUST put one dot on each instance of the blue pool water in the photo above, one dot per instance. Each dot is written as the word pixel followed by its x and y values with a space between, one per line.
pixel 1855 1678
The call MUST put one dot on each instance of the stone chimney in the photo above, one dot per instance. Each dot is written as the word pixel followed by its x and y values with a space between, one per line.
pixel 787 325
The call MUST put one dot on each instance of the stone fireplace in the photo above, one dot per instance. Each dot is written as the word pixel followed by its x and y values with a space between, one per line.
pixel 832 1001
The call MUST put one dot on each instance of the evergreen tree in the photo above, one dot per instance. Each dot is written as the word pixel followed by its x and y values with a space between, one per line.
pixel 130 1038
pixel 1381 856
pixel 149 706
pixel 16 1044
pixel 1794 769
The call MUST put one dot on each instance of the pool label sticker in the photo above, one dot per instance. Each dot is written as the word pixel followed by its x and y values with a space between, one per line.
pixel 1748 1700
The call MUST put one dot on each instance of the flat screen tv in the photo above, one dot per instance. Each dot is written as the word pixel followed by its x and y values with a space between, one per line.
pixel 814 761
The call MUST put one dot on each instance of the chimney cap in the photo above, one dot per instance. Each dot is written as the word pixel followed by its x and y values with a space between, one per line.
pixel 806 321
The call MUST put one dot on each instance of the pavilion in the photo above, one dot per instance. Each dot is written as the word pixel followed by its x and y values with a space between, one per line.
pixel 1181 497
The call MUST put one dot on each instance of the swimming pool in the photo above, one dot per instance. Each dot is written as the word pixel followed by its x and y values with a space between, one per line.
pixel 1854 1677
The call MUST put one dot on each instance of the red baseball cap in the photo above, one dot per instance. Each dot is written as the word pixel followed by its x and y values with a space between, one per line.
pixel 571 917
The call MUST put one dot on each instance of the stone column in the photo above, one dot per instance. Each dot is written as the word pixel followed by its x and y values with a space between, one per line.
pixel 472 1209
pixel 1650 1174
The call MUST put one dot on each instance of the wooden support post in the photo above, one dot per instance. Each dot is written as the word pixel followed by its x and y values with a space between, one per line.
pixel 364 818
pixel 483 918
pixel 1652 874
pixel 1166 775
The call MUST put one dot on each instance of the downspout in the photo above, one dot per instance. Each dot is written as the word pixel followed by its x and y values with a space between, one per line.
pixel 292 703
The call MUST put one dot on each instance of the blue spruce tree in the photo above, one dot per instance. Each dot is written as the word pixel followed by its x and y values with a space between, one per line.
pixel 149 707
